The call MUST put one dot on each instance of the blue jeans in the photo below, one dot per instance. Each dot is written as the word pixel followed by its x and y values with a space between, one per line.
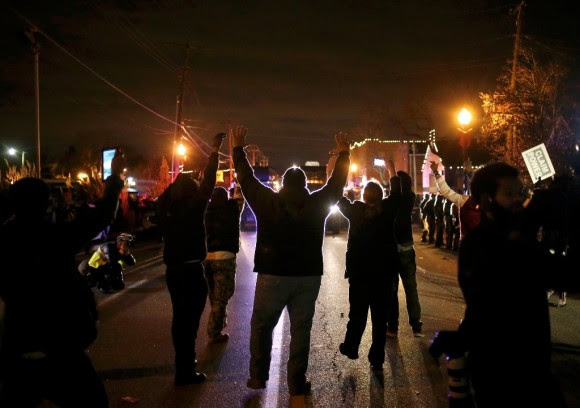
pixel 408 274
pixel 273 293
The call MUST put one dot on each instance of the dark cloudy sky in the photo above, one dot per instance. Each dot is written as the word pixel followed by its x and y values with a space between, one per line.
pixel 294 72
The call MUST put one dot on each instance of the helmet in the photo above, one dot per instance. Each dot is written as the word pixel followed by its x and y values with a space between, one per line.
pixel 128 238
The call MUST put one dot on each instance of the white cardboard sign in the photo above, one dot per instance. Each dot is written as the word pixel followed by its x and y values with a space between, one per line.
pixel 538 163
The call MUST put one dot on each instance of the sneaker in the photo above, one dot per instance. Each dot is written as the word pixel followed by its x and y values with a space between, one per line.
pixel 550 293
pixel 561 302
pixel 220 338
pixel 392 333
pixel 256 384
pixel 418 333
pixel 304 390
pixel 352 354
pixel 193 378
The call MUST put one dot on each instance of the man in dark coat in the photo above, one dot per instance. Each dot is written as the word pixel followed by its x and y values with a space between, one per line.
pixel 288 258
pixel 51 314
pixel 181 211
pixel 372 263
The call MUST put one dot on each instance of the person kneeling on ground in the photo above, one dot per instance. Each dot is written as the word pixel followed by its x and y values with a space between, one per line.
pixel 107 264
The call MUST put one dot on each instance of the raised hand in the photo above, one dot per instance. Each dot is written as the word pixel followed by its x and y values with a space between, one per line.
pixel 217 141
pixel 238 135
pixel 434 166
pixel 342 143
pixel 118 163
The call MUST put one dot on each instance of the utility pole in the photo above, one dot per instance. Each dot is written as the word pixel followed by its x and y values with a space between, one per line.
pixel 36 51
pixel 512 131
pixel 179 107
pixel 414 167
pixel 231 160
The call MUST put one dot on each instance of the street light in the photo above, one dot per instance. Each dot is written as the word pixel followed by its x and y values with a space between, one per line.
pixel 12 152
pixel 180 161
pixel 464 119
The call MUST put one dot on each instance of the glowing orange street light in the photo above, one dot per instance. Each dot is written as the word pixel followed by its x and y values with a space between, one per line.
pixel 464 117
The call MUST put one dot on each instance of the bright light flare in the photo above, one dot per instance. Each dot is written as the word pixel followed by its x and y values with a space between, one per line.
pixel 334 209
pixel 82 176
pixel 353 167
pixel 181 150
pixel 464 117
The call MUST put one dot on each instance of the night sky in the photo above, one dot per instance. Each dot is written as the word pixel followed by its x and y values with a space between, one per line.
pixel 294 72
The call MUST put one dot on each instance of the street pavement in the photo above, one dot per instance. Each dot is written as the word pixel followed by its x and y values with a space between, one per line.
pixel 134 354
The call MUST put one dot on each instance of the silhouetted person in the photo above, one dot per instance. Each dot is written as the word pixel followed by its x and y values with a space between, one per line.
pixel 51 314
pixel 371 267
pixel 424 218
pixel 439 220
pixel 222 223
pixel 429 211
pixel 552 218
pixel 456 226
pixel 448 221
pixel 181 211
pixel 405 200
pixel 511 333
pixel 288 259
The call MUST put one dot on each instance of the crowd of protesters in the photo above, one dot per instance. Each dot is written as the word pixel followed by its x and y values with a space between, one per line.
pixel 51 315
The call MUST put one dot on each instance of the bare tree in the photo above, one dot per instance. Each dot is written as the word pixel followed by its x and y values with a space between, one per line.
pixel 536 111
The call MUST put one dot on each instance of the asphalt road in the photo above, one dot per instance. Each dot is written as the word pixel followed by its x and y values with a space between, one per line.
pixel 134 355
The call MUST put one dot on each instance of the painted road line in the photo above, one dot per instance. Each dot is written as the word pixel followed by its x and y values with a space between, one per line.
pixel 274 381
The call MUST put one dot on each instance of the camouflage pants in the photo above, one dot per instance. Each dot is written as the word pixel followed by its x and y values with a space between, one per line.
pixel 221 281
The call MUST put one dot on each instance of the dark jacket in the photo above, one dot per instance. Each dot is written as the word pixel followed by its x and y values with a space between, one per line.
pixel 372 247
pixel 403 227
pixel 469 216
pixel 492 257
pixel 422 206
pixel 181 211
pixel 222 223
pixel 290 223
pixel 49 306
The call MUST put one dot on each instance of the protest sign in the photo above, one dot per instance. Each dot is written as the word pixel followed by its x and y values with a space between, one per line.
pixel 538 163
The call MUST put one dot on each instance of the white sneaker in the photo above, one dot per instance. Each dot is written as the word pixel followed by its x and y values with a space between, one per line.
pixel 561 302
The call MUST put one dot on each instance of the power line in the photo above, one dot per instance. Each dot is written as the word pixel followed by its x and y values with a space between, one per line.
pixel 92 71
